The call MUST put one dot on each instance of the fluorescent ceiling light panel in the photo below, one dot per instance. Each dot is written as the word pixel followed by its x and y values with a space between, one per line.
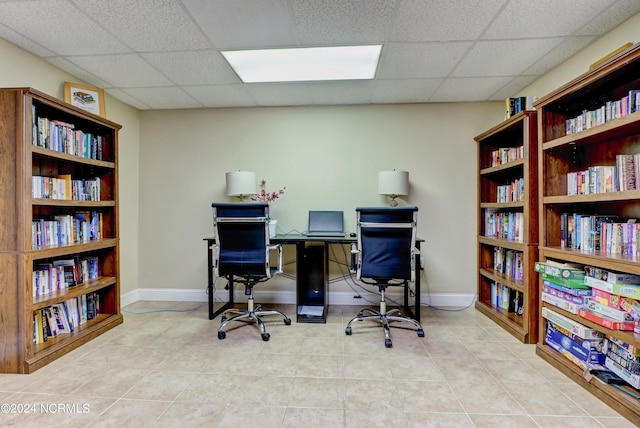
pixel 305 64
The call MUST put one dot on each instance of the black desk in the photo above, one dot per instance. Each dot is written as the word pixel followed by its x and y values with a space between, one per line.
pixel 312 277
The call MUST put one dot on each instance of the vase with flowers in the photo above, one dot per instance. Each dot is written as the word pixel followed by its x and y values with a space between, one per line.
pixel 264 196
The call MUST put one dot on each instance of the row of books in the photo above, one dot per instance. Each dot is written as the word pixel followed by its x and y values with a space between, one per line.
pixel 63 137
pixel 67 229
pixel 515 105
pixel 64 317
pixel 504 225
pixel 606 178
pixel 63 187
pixel 509 263
pixel 511 192
pixel 609 111
pixel 505 155
pixel 62 274
pixel 600 233
pixel 507 298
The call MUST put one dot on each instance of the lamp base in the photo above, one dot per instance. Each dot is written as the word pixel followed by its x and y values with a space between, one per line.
pixel 393 202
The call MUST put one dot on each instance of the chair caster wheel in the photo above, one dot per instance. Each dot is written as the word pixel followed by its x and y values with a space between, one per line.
pixel 222 335
pixel 266 336
pixel 287 321
pixel 347 331
pixel 421 333
pixel 223 319
pixel 387 343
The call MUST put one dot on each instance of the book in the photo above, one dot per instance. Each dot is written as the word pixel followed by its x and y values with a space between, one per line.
pixel 51 320
pixel 69 266
pixel 606 321
pixel 62 322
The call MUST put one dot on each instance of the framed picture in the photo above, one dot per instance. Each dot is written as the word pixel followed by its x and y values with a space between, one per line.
pixel 88 98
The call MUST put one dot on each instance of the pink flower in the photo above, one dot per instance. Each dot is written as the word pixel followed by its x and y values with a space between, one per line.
pixel 264 196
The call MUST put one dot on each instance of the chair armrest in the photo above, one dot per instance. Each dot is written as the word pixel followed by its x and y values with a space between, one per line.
pixel 278 248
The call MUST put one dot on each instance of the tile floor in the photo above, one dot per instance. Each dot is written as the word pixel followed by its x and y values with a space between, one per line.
pixel 167 369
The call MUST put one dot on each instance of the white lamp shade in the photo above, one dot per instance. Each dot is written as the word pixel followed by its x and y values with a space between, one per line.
pixel 241 183
pixel 393 182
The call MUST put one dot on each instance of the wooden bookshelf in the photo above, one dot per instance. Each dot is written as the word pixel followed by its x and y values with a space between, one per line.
pixel 24 155
pixel 563 152
pixel 518 133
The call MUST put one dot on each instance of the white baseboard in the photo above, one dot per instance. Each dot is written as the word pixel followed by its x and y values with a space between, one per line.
pixel 286 297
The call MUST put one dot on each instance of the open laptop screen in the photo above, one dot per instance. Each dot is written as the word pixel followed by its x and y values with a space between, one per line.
pixel 326 223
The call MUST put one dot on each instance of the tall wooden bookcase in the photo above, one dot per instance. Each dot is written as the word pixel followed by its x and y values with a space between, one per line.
pixel 507 198
pixel 30 123
pixel 563 151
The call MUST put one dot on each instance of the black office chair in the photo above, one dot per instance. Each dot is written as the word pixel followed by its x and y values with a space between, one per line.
pixel 385 256
pixel 241 254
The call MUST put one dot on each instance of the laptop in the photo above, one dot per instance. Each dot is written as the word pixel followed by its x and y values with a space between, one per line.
pixel 326 223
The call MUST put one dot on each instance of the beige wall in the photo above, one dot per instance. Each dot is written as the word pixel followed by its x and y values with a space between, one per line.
pixel 328 158
pixel 21 69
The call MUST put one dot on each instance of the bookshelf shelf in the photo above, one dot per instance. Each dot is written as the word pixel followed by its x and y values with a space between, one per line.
pixel 508 185
pixel 74 268
pixel 562 154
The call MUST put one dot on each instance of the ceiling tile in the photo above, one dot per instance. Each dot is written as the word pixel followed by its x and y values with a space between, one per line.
pixel 127 99
pixel 569 47
pixel 23 42
pixel 469 89
pixel 530 19
pixel 405 90
pixel 147 25
pixel 193 67
pixel 503 57
pixel 124 71
pixel 242 24
pixel 60 27
pixel 512 88
pixel 221 95
pixel 610 18
pixel 82 74
pixel 163 98
pixel 443 20
pixel 332 93
pixel 319 22
pixel 280 94
pixel 420 60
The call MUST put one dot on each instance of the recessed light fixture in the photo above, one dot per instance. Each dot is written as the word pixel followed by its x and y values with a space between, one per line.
pixel 305 64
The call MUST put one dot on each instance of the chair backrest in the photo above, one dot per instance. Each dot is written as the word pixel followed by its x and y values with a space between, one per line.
pixel 386 242
pixel 241 234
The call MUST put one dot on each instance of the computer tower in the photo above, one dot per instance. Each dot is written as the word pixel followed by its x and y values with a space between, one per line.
pixel 312 282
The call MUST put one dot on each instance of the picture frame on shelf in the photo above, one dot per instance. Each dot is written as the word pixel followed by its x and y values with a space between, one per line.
pixel 88 98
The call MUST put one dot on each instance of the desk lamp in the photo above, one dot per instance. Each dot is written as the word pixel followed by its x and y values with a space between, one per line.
pixel 393 184
pixel 241 184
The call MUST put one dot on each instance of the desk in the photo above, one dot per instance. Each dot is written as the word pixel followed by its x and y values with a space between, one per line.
pixel 312 277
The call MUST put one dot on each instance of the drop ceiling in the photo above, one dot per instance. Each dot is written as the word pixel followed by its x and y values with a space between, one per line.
pixel 165 54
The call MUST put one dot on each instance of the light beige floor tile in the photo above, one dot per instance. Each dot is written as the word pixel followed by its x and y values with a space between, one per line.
pixel 307 417
pixel 274 365
pixel 485 398
pixel 587 401
pixel 566 422
pixel 373 418
pixel 415 368
pixel 543 399
pixel 359 393
pixel 161 385
pixel 212 388
pixel 439 420
pixel 113 383
pixel 469 371
pixel 131 414
pixel 191 415
pixel 512 371
pixel 502 421
pixel 615 422
pixel 251 416
pixel 367 367
pixel 427 396
pixel 259 391
pixel 320 366
pixel 326 393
